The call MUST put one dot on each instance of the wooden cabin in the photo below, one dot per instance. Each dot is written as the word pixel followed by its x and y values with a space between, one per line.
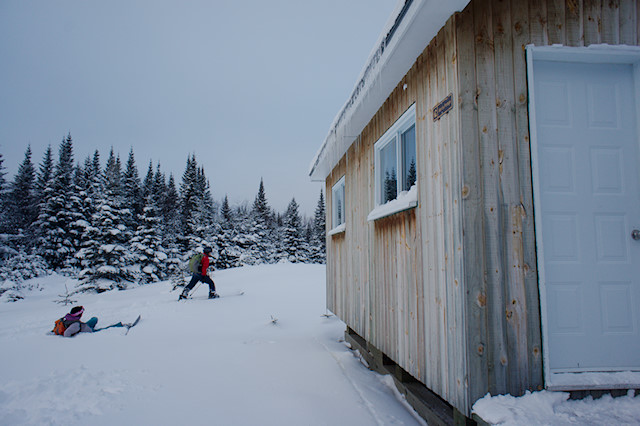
pixel 483 204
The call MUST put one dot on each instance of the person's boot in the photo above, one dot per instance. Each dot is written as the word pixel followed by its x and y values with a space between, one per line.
pixel 213 295
pixel 184 294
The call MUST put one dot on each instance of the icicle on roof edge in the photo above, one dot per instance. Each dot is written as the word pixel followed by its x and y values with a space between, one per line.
pixel 412 25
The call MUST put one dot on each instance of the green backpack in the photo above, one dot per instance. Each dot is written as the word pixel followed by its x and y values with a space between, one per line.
pixel 195 263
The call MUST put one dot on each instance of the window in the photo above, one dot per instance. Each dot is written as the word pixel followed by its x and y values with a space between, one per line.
pixel 337 207
pixel 395 154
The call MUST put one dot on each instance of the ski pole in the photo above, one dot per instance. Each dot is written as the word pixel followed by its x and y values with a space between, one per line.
pixel 194 289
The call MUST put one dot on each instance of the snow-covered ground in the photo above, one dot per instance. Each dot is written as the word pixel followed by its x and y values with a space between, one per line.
pixel 268 357
pixel 198 362
pixel 555 408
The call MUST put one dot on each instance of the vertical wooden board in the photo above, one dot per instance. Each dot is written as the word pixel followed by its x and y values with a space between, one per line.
pixel 430 260
pixel 520 40
pixel 438 231
pixel 538 22
pixel 610 27
pixel 413 238
pixel 555 19
pixel 498 374
pixel 574 18
pixel 330 282
pixel 472 219
pixel 456 306
pixel 628 16
pixel 421 146
pixel 441 136
pixel 592 21
pixel 367 173
pixel 509 190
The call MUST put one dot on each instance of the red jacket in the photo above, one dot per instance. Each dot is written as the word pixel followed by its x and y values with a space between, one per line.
pixel 205 263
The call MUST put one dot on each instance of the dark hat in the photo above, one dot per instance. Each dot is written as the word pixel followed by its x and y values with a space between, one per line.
pixel 77 310
pixel 207 250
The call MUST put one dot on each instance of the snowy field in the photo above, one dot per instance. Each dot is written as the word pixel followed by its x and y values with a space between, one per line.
pixel 268 357
pixel 199 362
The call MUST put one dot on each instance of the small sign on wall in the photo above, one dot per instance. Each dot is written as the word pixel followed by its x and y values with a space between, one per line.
pixel 443 107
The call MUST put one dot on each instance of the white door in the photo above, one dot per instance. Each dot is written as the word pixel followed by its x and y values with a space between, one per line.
pixel 587 204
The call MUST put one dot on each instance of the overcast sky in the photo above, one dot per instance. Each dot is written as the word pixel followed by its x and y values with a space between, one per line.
pixel 251 87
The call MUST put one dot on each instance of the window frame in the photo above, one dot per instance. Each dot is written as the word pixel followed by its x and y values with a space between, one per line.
pixel 394 134
pixel 337 187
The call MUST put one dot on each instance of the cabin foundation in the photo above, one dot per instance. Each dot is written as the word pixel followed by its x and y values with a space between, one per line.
pixel 427 404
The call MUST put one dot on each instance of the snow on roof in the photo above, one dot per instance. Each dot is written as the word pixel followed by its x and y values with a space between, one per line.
pixel 412 25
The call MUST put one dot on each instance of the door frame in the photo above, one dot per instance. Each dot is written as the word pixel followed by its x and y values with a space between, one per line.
pixel 595 54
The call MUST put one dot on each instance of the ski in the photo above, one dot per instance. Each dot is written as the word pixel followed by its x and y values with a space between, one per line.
pixel 133 324
pixel 190 297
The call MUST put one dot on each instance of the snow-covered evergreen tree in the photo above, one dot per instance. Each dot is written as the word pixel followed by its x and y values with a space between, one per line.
pixel 225 211
pixel 197 210
pixel 131 192
pixel 45 173
pixel 148 182
pixel 261 209
pixel 261 232
pixel 188 199
pixel 4 223
pixel 294 247
pixel 147 243
pixel 229 252
pixel 105 255
pixel 171 228
pixel 3 181
pixel 78 212
pixel 56 216
pixel 318 238
pixel 22 204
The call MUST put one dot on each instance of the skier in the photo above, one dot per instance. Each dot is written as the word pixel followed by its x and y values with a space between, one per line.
pixel 70 324
pixel 198 265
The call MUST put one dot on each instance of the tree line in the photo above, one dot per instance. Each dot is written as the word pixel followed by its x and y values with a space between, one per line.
pixel 108 226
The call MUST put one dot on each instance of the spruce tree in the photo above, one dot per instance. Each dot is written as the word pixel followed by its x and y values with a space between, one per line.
pixel 132 197
pixel 3 201
pixel 171 228
pixel 22 202
pixel 261 208
pixel 105 255
pixel 148 182
pixel 229 251
pixel 293 245
pixel 78 213
pixel 147 243
pixel 44 175
pixel 225 211
pixel 3 182
pixel 261 230
pixel 189 199
pixel 318 240
pixel 55 216
pixel 93 178
pixel 159 189
pixel 170 207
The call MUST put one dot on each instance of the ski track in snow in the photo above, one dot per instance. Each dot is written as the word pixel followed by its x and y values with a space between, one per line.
pixel 364 399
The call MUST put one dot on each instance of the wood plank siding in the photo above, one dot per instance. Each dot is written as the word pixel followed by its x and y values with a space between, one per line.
pixel 448 290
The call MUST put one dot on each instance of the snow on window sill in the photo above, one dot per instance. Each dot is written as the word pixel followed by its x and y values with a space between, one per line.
pixel 405 201
pixel 338 230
